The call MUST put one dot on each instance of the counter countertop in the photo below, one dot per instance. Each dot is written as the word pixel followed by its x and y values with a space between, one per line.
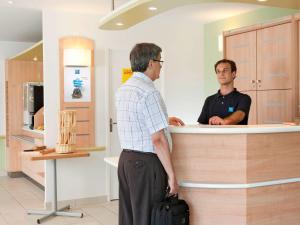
pixel 33 131
pixel 235 129
pixel 113 161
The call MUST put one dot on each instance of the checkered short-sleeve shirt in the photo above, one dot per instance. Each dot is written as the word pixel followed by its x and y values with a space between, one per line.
pixel 141 112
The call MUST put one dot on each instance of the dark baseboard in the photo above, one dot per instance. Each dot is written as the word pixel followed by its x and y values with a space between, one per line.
pixel 15 174
pixel 21 174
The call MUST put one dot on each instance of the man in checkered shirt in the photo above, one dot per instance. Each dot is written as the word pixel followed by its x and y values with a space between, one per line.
pixel 145 168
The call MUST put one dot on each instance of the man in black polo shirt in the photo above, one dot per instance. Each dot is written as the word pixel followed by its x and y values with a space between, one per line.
pixel 227 106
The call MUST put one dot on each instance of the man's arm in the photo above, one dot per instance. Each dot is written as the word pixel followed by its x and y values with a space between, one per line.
pixel 162 150
pixel 233 119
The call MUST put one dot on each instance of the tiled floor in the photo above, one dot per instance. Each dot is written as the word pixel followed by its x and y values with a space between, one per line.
pixel 18 194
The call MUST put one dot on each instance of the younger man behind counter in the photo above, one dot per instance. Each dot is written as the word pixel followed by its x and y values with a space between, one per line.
pixel 228 106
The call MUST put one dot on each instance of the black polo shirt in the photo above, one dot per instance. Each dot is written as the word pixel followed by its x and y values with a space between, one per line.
pixel 224 105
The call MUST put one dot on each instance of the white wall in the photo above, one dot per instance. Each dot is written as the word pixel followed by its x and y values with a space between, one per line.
pixel 7 49
pixel 182 52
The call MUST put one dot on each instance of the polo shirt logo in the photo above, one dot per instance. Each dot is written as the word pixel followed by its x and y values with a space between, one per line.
pixel 230 109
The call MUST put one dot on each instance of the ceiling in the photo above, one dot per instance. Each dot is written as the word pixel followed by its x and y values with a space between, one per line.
pixel 22 20
pixel 137 11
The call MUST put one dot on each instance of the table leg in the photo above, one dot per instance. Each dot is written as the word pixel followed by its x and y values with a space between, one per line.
pixel 54 211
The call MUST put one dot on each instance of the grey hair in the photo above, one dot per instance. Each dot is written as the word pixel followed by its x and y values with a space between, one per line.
pixel 141 54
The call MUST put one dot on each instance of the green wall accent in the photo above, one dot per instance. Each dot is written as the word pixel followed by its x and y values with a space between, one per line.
pixel 214 29
pixel 2 154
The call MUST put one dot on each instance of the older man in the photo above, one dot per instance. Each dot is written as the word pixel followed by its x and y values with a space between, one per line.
pixel 145 168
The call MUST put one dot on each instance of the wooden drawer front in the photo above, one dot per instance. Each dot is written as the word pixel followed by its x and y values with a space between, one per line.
pixel 82 140
pixel 34 169
pixel 83 127
pixel 82 113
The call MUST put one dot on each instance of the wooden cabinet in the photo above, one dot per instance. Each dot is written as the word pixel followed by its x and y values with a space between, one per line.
pixel 241 48
pixel 33 169
pixel 274 57
pixel 273 106
pixel 264 56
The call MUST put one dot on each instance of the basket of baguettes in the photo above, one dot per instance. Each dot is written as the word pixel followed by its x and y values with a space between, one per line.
pixel 67 132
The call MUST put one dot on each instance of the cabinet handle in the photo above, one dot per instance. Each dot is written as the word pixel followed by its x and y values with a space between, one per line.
pixel 258 81
pixel 252 81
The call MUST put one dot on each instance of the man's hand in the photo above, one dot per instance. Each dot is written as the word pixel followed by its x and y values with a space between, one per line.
pixel 173 186
pixel 175 121
pixel 233 119
pixel 215 120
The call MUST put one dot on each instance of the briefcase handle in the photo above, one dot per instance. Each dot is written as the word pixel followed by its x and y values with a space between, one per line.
pixel 168 196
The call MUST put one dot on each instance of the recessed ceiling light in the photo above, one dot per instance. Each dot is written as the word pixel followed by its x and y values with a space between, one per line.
pixel 35 59
pixel 262 0
pixel 119 24
pixel 152 8
pixel 10 2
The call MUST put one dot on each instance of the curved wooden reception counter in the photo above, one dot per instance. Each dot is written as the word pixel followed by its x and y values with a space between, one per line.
pixel 239 175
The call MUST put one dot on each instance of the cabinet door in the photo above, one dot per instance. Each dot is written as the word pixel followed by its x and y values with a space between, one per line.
pixel 274 57
pixel 241 48
pixel 274 106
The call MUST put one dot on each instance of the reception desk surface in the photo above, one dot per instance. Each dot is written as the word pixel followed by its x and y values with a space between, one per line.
pixel 235 129
pixel 239 175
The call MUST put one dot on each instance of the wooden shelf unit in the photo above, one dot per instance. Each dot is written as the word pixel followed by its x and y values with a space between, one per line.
pixel 266 59
pixel 85 111
pixel 19 71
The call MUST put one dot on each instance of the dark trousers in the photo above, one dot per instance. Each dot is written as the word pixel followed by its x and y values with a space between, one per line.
pixel 142 182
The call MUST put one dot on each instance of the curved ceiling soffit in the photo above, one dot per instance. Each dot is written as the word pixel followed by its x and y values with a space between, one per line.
pixel 137 11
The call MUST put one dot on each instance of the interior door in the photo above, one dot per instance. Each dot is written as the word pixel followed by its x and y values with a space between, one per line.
pixel 118 59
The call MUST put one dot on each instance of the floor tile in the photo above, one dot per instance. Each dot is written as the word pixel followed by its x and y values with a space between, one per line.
pixel 2 221
pixel 18 195
pixel 102 214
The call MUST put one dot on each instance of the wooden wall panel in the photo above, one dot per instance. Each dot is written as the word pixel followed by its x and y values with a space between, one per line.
pixel 274 205
pixel 210 158
pixel 273 156
pixel 85 111
pixel 216 206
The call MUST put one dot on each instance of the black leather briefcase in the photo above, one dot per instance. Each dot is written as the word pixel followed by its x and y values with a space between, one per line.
pixel 171 211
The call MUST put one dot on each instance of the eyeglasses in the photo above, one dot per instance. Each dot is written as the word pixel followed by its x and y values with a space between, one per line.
pixel 156 60
pixel 223 71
